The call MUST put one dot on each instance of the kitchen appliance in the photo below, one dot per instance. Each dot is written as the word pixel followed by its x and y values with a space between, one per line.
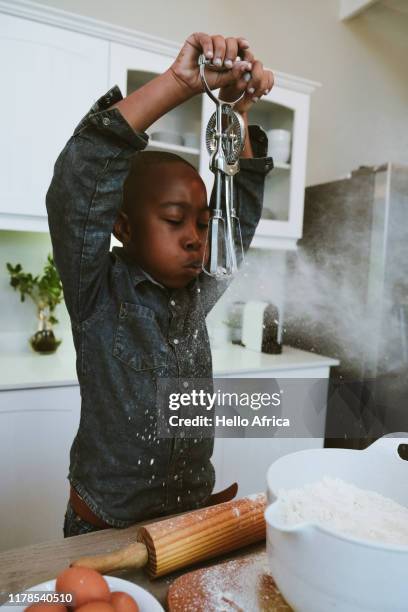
pixel 176 542
pixel 317 569
pixel 260 327
pixel 234 321
pixel 347 296
pixel 225 138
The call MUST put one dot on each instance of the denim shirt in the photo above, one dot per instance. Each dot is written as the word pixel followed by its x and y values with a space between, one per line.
pixel 128 331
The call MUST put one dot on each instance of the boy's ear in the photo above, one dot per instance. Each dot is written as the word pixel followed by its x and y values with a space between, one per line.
pixel 121 228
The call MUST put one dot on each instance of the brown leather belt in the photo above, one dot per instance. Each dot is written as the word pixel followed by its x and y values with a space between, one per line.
pixel 85 513
pixel 82 510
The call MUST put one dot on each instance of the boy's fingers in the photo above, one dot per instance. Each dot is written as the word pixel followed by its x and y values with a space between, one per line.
pixel 255 83
pixel 219 50
pixel 270 81
pixel 247 56
pixel 242 43
pixel 230 51
pixel 238 74
pixel 204 41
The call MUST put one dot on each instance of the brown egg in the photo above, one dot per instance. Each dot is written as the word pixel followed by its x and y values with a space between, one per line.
pixel 46 607
pixel 122 602
pixel 85 585
pixel 96 606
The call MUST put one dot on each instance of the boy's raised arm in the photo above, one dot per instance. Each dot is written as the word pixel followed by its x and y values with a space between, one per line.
pixel 85 194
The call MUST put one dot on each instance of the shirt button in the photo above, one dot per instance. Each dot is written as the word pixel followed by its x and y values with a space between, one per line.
pixel 175 341
pixel 172 302
pixel 106 121
pixel 185 384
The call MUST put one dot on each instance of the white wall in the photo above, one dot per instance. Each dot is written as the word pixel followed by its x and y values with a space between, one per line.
pixel 358 116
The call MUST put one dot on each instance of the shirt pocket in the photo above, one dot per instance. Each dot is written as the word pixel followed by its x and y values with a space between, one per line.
pixel 139 341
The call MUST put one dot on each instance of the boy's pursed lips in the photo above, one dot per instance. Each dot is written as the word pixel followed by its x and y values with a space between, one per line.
pixel 194 265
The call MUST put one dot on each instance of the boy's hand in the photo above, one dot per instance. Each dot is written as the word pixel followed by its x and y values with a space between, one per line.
pixel 223 53
pixel 232 59
pixel 259 84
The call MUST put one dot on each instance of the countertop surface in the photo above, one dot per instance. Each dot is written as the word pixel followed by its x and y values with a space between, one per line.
pixel 233 359
pixel 21 367
pixel 21 568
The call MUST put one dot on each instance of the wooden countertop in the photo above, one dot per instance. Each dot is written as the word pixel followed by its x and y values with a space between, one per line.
pixel 21 568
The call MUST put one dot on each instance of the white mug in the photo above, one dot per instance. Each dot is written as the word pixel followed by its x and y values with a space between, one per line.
pixel 279 145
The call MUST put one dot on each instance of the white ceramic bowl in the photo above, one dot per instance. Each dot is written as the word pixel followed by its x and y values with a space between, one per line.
pixel 167 137
pixel 279 136
pixel 280 152
pixel 145 601
pixel 319 570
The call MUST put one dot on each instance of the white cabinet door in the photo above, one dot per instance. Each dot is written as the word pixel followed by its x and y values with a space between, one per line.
pixel 50 78
pixel 285 186
pixel 37 427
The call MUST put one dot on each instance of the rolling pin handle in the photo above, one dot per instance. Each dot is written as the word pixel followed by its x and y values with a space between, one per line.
pixel 131 557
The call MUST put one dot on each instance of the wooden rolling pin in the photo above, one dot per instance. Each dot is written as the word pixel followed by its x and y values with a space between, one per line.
pixel 168 545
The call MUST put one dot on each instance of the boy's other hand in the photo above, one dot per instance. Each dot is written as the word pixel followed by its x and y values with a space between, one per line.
pixel 230 57
pixel 256 84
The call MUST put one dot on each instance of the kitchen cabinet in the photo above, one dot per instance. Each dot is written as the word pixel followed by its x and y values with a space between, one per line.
pixel 285 107
pixel 37 427
pixel 39 417
pixel 59 63
pixel 246 460
pixel 50 78
pixel 130 68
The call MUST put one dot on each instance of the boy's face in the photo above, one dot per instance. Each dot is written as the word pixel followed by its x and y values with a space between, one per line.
pixel 165 231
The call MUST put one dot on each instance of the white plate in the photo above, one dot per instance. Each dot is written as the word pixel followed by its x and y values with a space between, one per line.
pixel 145 601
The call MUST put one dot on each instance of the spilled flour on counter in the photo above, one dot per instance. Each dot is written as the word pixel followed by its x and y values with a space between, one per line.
pixel 343 507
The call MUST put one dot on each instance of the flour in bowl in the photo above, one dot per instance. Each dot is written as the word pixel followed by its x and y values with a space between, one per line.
pixel 343 507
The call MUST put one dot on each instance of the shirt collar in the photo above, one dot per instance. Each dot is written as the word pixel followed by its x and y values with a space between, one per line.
pixel 151 279
pixel 137 273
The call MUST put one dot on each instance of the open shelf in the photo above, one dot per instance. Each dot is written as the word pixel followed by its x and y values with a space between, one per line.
pixel 280 166
pixel 164 146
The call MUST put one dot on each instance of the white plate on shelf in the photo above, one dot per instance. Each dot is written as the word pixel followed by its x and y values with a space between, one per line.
pixel 145 601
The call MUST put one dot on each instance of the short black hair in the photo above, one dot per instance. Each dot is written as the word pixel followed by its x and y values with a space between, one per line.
pixel 140 163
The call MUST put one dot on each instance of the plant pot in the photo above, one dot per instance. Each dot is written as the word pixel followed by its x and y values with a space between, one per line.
pixel 44 342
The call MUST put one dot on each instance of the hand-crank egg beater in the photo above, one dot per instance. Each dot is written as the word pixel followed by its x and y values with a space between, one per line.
pixel 225 139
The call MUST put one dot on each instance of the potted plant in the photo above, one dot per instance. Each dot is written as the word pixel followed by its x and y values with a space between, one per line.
pixel 46 293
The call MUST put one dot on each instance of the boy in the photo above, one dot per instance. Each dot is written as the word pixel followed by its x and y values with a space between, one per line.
pixel 138 312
